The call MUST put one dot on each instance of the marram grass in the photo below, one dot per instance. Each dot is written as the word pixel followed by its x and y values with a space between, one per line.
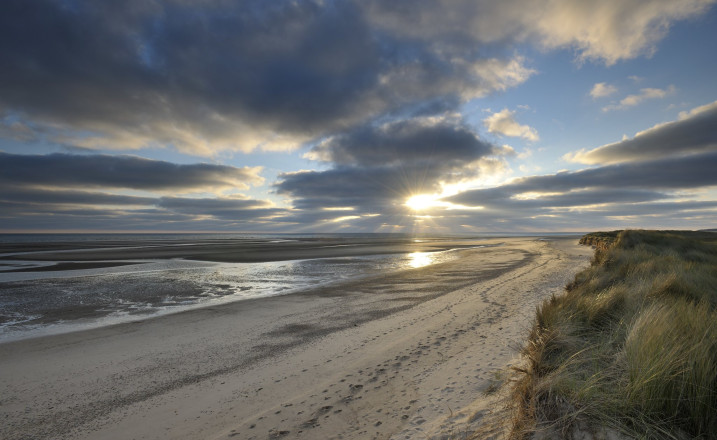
pixel 631 345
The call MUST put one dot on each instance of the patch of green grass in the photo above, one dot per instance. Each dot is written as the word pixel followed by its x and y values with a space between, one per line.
pixel 631 345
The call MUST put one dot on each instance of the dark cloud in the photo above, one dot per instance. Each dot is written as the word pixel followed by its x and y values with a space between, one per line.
pixel 693 133
pixel 367 188
pixel 585 203
pixel 68 197
pixel 637 194
pixel 665 174
pixel 670 173
pixel 216 75
pixel 212 75
pixel 589 197
pixel 404 142
pixel 23 208
pixel 379 166
pixel 17 217
pixel 47 192
pixel 599 196
pixel 504 198
pixel 103 171
pixel 236 209
pixel 525 216
pixel 662 209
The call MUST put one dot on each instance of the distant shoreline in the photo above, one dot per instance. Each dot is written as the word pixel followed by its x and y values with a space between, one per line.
pixel 239 250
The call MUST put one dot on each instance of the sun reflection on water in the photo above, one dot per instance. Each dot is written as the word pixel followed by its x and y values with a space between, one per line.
pixel 420 259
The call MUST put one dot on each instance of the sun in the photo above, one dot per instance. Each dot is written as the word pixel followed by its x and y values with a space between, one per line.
pixel 422 202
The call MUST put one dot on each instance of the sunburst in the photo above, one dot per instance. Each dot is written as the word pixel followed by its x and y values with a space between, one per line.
pixel 422 202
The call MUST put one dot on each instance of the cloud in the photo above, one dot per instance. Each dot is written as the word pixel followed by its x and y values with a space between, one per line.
pixel 205 77
pixel 228 208
pixel 210 76
pixel 20 217
pixel 76 192
pixel 605 184
pixel 381 165
pixel 129 172
pixel 26 208
pixel 402 142
pixel 646 194
pixel 645 94
pixel 55 197
pixel 504 123
pixel 694 132
pixel 606 31
pixel 612 30
pixel 664 177
pixel 592 197
pixel 601 90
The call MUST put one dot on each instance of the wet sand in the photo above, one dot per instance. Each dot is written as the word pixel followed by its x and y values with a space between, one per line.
pixel 404 355
pixel 60 267
pixel 229 250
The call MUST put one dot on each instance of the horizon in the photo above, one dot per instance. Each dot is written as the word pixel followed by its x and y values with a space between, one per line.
pixel 344 233
pixel 457 118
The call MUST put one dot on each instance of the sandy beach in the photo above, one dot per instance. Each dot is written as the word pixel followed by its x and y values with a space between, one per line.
pixel 403 355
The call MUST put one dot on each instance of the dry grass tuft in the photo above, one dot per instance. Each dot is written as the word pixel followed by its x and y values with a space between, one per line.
pixel 631 345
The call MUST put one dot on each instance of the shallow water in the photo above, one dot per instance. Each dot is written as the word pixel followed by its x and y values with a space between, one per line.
pixel 44 302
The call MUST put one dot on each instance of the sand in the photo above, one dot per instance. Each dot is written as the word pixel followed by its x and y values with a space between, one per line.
pixel 405 355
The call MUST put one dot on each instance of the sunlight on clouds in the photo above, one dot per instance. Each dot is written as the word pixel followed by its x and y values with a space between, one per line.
pixel 504 123
pixel 493 172
pixel 607 30
pixel 601 90
pixel 490 172
pixel 645 94
pixel 499 75
pixel 694 112
pixel 611 30
pixel 344 218
pixel 693 132
pixel 204 139
pixel 532 195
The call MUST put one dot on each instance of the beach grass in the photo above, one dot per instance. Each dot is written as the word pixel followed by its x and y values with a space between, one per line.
pixel 630 349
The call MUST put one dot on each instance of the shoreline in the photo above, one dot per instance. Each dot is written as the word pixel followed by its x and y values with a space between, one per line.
pixel 87 315
pixel 317 364
pixel 232 250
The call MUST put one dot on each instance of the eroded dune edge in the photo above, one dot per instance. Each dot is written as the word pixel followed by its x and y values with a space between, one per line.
pixel 630 350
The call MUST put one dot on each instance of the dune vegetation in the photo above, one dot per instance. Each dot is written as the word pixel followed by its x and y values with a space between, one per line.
pixel 630 349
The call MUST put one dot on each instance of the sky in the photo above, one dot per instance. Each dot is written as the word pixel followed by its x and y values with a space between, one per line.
pixel 408 116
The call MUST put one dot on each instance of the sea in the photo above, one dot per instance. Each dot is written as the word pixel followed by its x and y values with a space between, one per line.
pixel 36 300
